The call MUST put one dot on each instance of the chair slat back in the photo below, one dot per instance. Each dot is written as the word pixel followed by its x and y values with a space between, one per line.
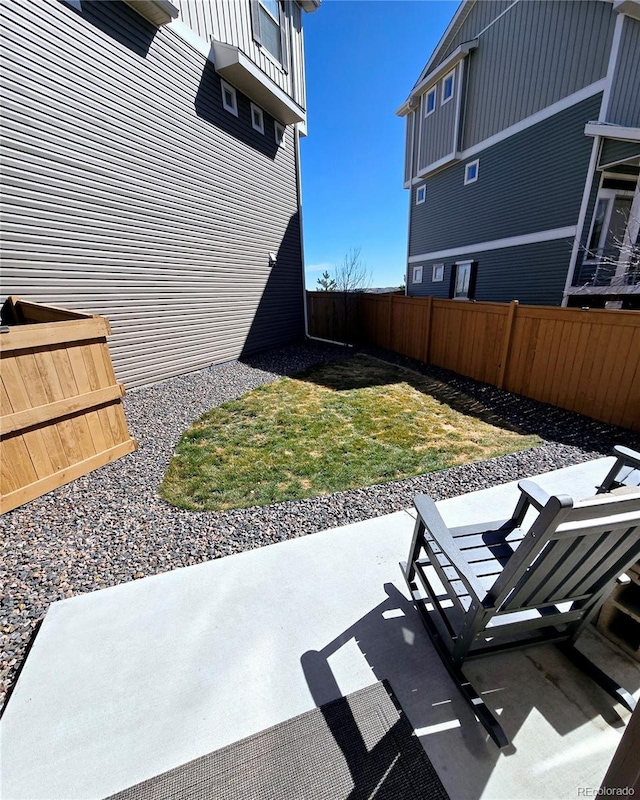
pixel 572 553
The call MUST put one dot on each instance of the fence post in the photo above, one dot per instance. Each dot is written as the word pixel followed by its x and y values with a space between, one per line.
pixel 427 340
pixel 389 320
pixel 506 344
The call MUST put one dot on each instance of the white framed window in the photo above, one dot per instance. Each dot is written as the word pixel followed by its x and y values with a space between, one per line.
pixel 267 27
pixel 448 85
pixel 437 273
pixel 257 118
pixel 229 98
pixel 417 275
pixel 279 131
pixel 421 194
pixel 462 285
pixel 430 102
pixel 471 171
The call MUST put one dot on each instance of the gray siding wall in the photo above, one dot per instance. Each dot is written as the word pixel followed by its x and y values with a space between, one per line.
pixel 531 273
pixel 482 14
pixel 438 128
pixel 624 106
pixel 410 120
pixel 533 56
pixel 532 181
pixel 229 21
pixel 416 141
pixel 130 192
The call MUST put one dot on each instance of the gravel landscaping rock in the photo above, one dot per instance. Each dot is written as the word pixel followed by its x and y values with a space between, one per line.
pixel 111 526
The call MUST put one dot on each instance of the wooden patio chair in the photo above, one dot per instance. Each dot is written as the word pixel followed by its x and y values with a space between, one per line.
pixel 506 584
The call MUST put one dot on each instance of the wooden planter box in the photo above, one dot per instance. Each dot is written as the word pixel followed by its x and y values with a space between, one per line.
pixel 60 404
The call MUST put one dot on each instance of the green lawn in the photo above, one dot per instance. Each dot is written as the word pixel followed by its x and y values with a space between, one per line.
pixel 351 423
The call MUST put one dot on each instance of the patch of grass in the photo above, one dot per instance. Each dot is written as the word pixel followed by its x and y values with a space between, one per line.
pixel 343 425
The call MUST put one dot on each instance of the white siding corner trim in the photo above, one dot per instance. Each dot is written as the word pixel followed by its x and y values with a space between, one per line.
pixel 498 244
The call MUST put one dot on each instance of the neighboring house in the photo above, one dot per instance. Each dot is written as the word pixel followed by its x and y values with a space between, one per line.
pixel 151 172
pixel 523 155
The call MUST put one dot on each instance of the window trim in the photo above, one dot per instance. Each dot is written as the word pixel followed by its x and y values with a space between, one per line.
pixel 471 286
pixel 260 127
pixel 421 190
pixel 281 139
pixel 437 269
pixel 476 164
pixel 433 92
pixel 444 99
pixel 232 109
pixel 417 271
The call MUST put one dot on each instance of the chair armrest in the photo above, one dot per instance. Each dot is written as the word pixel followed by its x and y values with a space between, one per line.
pixel 625 457
pixel 535 494
pixel 437 529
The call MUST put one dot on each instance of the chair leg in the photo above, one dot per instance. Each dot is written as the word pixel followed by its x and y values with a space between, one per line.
pixel 596 674
pixel 484 716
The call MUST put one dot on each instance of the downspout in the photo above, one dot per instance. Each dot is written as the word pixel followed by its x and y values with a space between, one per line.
pixel 296 135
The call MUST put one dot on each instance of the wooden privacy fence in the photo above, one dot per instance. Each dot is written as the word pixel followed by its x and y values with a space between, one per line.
pixel 584 361
pixel 60 404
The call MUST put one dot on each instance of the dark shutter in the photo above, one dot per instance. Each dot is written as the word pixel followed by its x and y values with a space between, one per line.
pixel 255 21
pixel 472 280
pixel 284 50
pixel 452 281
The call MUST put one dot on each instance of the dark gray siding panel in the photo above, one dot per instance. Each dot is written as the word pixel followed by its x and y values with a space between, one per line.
pixel 130 192
pixel 624 108
pixel 614 151
pixel 438 128
pixel 532 273
pixel 532 181
pixel 533 56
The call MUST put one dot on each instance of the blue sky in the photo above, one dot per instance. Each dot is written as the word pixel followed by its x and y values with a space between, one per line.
pixel 362 58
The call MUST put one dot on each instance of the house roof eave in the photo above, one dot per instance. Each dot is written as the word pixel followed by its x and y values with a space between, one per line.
pixel 432 77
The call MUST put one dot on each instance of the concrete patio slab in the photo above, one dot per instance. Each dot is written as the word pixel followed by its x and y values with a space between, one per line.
pixel 127 682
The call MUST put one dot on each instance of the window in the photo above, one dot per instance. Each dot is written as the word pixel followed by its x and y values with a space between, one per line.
pixel 437 273
pixel 421 194
pixel 257 118
pixel 279 131
pixel 267 29
pixel 448 83
pixel 417 275
pixel 471 171
pixel 229 99
pixel 463 280
pixel 430 104
pixel 612 216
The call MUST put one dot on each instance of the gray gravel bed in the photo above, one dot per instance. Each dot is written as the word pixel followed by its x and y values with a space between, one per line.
pixel 111 526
